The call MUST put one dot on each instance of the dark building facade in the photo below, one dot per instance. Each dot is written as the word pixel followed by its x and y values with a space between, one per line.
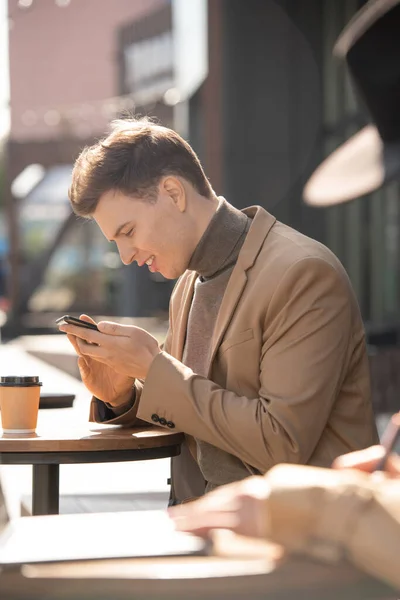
pixel 275 103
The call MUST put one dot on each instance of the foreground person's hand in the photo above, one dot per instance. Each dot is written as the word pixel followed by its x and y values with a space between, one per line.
pixel 367 460
pixel 239 507
pixel 125 349
pixel 242 507
pixel 102 381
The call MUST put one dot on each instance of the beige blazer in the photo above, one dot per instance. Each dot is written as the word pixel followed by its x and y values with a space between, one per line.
pixel 288 377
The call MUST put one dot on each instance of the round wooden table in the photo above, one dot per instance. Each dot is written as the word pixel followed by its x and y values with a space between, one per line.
pixel 62 439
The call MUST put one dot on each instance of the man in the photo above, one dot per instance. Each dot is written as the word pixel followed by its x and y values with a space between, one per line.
pixel 265 359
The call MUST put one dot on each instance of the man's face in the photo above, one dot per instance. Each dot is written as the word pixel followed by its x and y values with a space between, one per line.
pixel 157 234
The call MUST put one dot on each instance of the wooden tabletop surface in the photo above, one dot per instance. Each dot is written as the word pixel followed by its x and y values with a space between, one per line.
pixel 62 430
pixel 269 575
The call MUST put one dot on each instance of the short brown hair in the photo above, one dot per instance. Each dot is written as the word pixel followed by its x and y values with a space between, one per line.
pixel 132 159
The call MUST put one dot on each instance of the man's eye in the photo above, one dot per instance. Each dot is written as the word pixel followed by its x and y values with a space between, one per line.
pixel 129 233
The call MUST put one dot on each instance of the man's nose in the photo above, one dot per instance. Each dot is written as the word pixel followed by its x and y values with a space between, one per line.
pixel 127 255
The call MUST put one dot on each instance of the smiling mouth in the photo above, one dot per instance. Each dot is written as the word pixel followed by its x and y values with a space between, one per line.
pixel 149 261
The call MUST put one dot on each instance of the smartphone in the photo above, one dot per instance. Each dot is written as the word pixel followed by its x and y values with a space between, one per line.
pixel 75 321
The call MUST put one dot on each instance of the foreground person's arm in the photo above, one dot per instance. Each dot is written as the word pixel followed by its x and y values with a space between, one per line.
pixel 325 513
pixel 337 514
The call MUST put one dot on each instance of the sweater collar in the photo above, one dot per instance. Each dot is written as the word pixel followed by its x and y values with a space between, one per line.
pixel 221 242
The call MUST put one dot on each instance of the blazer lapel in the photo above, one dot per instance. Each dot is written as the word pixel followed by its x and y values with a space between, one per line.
pixel 234 289
pixel 259 229
pixel 179 337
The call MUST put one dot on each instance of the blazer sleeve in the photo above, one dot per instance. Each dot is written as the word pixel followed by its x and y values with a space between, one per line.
pixel 303 359
pixel 333 515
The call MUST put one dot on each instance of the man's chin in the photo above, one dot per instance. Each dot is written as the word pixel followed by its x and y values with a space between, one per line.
pixel 169 276
pixel 172 274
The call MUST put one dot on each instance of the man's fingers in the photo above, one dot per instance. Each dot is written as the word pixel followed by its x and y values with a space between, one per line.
pixel 367 460
pixel 364 460
pixel 393 465
pixel 73 342
pixel 87 319
pixel 202 523
pixel 92 350
pixel 111 328
pixel 82 333
pixel 83 367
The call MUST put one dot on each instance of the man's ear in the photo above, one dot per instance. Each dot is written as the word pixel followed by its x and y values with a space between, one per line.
pixel 174 188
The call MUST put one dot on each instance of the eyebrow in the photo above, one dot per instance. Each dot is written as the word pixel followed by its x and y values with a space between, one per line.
pixel 120 228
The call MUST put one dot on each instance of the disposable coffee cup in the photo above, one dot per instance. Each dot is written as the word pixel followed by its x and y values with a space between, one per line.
pixel 19 403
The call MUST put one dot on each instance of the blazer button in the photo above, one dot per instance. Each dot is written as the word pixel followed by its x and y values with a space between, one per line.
pixel 170 424
pixel 155 418
pixel 163 421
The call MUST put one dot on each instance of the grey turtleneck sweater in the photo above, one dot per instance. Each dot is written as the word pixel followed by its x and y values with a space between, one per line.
pixel 214 259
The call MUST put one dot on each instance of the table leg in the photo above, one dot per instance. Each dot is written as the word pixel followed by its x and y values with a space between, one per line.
pixel 45 489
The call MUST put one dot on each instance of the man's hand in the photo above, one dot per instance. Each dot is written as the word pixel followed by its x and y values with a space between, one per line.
pixel 239 506
pixel 102 381
pixel 367 460
pixel 125 349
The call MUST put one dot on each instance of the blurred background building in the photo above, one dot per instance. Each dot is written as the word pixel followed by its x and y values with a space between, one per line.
pixel 254 88
pixel 74 66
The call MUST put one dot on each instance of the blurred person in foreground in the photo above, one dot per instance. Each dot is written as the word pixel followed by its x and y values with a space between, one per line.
pixel 265 360
pixel 349 511
pixel 329 514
